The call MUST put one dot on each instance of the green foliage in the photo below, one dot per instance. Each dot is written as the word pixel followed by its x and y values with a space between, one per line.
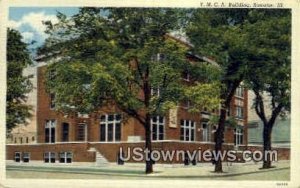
pixel 112 55
pixel 204 95
pixel 18 86
pixel 229 122
pixel 273 69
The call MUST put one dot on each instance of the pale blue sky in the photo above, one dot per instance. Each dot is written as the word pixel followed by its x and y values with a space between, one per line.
pixel 28 20
pixel 16 13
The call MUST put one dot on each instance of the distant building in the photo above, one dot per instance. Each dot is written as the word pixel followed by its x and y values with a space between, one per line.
pixel 25 134
pixel 281 130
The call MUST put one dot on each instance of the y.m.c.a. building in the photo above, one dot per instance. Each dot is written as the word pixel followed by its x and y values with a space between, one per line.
pixel 96 138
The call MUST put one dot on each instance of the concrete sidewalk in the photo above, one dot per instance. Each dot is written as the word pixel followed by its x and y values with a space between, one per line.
pixel 233 171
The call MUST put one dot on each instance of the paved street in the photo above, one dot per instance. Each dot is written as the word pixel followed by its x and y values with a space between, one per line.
pixel 248 171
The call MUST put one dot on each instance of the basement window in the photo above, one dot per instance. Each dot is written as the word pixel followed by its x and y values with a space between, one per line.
pixel 17 157
pixel 49 157
pixel 65 157
pixel 26 157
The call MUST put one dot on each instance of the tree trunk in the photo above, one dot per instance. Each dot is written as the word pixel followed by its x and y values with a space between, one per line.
pixel 219 140
pixel 219 136
pixel 148 146
pixel 267 145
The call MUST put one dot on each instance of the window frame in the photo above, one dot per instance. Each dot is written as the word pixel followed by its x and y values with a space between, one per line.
pixel 26 155
pixel 207 132
pixel 50 124
pixel 19 157
pixel 191 127
pixel 49 157
pixel 239 112
pixel 84 129
pixel 158 124
pixel 238 136
pixel 64 155
pixel 106 123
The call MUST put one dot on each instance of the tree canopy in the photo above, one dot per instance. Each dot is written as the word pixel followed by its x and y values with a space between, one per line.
pixel 242 42
pixel 18 86
pixel 125 56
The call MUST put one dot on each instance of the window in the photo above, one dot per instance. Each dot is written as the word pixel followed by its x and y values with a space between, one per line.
pixel 238 136
pixel 81 132
pixel 186 104
pixel 27 140
pixel 65 157
pixel 52 100
pixel 32 139
pixel 52 74
pixel 186 75
pixel 110 128
pixel 49 157
pixel 239 92
pixel 155 92
pixel 157 127
pixel 15 140
pixel 50 131
pixel 158 57
pixel 228 111
pixel 206 132
pixel 187 130
pixel 65 132
pixel 239 112
pixel 18 157
pixel 26 157
pixel 21 140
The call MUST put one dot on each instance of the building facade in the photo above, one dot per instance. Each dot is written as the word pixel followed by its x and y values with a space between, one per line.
pixel 98 137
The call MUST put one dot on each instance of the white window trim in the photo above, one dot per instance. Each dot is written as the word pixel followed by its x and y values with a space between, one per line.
pixel 20 157
pixel 157 127
pixel 239 92
pixel 49 154
pixel 239 112
pixel 23 157
pixel 187 124
pixel 51 123
pixel 207 131
pixel 114 122
pixel 238 137
pixel 157 94
pixel 65 153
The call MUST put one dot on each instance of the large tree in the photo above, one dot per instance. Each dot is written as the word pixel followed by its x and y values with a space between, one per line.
pixel 246 42
pixel 229 37
pixel 220 35
pixel 121 56
pixel 271 76
pixel 18 85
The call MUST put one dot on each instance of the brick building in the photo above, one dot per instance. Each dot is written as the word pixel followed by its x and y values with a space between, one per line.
pixel 97 137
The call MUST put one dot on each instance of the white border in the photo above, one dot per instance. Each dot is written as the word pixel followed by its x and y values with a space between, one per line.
pixel 295 129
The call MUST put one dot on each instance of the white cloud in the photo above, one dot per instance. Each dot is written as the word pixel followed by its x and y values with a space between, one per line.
pixel 35 20
pixel 13 24
pixel 31 26
pixel 27 36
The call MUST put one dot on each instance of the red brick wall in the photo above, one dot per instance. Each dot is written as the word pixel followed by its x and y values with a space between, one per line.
pixel 79 150
pixel 110 150
pixel 130 127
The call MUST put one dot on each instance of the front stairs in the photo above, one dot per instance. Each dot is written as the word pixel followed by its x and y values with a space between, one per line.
pixel 100 159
